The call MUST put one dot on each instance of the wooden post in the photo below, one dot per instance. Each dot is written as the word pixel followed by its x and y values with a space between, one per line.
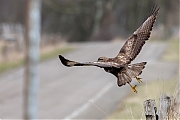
pixel 164 107
pixel 150 109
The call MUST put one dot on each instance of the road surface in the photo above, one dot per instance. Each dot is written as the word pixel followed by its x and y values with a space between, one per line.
pixel 80 92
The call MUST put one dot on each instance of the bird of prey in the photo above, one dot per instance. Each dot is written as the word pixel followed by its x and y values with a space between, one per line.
pixel 120 65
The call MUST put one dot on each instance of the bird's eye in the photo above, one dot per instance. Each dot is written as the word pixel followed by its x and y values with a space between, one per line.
pixel 100 59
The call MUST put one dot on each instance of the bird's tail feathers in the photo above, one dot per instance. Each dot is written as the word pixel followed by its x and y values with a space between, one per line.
pixel 130 72
pixel 134 70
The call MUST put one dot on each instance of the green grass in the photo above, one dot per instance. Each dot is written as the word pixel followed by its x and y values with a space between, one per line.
pixel 10 65
pixel 54 53
pixel 132 106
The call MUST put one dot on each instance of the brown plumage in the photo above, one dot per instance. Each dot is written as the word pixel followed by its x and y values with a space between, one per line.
pixel 120 65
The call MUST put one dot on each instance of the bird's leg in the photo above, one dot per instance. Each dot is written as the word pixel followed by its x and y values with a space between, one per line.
pixel 139 79
pixel 133 88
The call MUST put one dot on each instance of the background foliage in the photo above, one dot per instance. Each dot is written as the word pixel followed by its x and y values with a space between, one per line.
pixel 82 20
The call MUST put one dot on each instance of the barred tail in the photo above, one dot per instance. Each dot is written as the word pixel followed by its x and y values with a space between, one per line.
pixel 130 72
pixel 134 70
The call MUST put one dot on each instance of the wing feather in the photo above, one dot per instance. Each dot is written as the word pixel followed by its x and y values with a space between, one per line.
pixel 70 63
pixel 123 78
pixel 135 42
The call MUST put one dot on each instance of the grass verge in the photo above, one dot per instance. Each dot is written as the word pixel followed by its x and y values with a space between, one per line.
pixel 54 53
pixel 132 106
pixel 172 52
pixel 44 56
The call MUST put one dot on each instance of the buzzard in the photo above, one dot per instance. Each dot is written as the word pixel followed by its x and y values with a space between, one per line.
pixel 120 65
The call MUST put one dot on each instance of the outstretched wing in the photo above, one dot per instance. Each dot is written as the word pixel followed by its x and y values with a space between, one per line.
pixel 134 44
pixel 69 63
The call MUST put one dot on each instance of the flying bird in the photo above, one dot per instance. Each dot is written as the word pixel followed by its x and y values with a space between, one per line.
pixel 120 65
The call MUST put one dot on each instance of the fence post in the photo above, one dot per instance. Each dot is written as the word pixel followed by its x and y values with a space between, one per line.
pixel 150 109
pixel 164 107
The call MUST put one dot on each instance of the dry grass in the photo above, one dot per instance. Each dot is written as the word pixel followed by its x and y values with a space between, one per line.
pixel 17 59
pixel 132 106
pixel 172 53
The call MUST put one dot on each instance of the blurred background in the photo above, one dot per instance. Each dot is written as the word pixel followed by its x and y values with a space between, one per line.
pixel 71 25
pixel 83 20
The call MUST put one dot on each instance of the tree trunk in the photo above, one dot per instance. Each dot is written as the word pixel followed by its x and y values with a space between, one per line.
pixel 32 36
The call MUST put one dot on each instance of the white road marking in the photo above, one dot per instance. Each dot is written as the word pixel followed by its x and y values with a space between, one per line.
pixel 86 105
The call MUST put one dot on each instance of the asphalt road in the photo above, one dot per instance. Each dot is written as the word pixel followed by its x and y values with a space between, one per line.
pixel 80 92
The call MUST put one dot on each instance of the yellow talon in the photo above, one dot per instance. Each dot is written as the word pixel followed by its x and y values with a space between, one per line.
pixel 133 87
pixel 139 79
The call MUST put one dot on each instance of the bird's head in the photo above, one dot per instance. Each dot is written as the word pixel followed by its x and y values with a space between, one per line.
pixel 102 59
